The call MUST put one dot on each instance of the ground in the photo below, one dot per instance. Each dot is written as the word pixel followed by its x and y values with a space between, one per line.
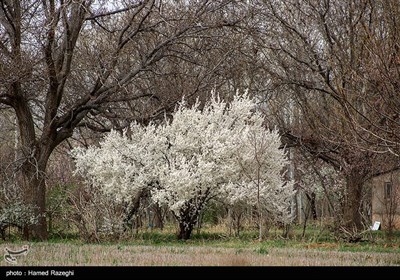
pixel 256 254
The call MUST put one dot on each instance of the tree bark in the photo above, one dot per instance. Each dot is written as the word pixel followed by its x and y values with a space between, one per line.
pixel 352 213
pixel 35 196
pixel 185 229
pixel 33 175
pixel 187 220
pixel 158 217
pixel 313 208
pixel 34 156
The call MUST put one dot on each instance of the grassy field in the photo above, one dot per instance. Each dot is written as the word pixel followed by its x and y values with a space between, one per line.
pixel 162 249
pixel 58 254
pixel 211 247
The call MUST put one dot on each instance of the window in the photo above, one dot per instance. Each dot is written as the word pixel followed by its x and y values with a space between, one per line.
pixel 388 190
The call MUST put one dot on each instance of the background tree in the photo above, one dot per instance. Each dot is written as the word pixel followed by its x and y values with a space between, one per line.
pixel 316 55
pixel 323 186
pixel 264 189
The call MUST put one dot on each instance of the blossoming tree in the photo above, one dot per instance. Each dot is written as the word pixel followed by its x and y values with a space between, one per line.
pixel 200 154
pixel 259 181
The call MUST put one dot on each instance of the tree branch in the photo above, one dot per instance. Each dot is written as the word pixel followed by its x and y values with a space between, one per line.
pixel 95 16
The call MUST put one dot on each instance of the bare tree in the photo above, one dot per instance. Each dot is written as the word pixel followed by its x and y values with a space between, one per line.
pixel 317 56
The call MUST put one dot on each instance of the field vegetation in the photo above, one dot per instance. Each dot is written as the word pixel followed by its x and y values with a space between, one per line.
pixel 212 248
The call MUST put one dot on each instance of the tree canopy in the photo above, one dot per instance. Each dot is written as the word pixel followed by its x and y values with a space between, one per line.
pixel 217 150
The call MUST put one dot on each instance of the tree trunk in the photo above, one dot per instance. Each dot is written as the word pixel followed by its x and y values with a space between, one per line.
pixel 187 220
pixel 158 217
pixel 313 206
pixel 189 215
pixel 260 229
pixel 352 214
pixel 185 230
pixel 237 224
pixel 33 178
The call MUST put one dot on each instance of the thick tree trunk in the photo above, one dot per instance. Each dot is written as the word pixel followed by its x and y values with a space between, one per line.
pixel 189 215
pixel 187 220
pixel 35 196
pixel 352 209
pixel 185 229
pixel 31 176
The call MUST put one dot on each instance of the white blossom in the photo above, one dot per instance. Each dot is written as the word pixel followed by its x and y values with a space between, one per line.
pixel 198 155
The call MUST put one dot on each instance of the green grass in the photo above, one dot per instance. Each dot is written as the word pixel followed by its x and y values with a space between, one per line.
pixel 216 237
pixel 262 250
pixel 212 246
pixel 258 254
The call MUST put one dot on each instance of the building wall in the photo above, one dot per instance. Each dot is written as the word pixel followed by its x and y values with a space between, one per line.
pixel 380 206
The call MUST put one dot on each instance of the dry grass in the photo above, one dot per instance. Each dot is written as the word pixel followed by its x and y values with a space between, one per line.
pixel 51 254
